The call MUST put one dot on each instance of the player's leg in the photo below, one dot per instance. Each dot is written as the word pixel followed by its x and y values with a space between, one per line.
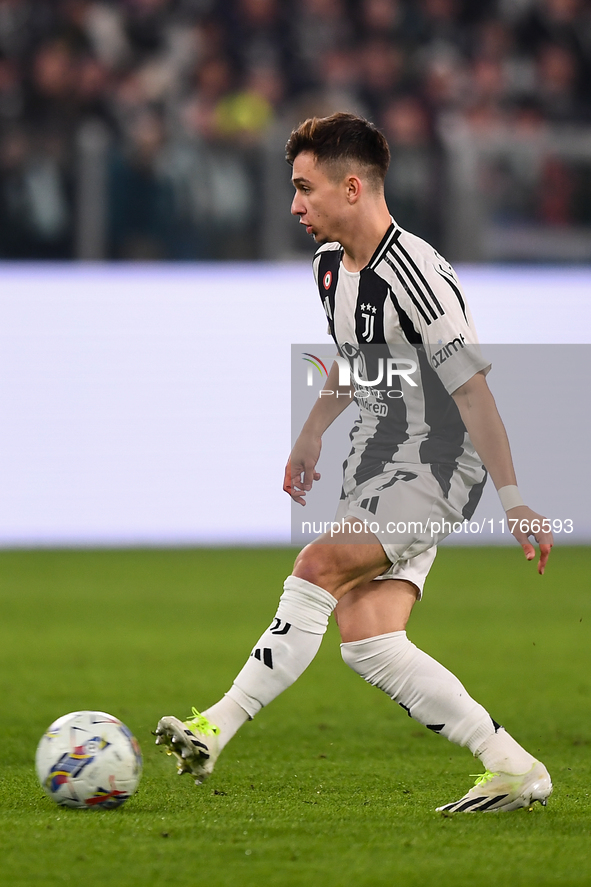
pixel 375 608
pixel 372 621
pixel 322 574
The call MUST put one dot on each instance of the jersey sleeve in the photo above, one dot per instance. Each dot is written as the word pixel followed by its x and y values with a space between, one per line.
pixel 441 315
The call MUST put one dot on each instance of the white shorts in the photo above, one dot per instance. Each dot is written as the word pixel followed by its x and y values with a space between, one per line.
pixel 414 570
pixel 406 510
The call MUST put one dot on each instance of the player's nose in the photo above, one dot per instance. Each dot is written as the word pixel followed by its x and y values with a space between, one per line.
pixel 296 206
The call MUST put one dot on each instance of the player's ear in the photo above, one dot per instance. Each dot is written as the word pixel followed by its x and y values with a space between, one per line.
pixel 353 188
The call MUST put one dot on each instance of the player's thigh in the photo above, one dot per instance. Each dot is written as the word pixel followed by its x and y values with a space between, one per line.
pixel 339 564
pixel 375 608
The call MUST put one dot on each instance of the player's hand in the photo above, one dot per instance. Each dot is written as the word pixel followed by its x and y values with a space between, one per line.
pixel 300 469
pixel 523 523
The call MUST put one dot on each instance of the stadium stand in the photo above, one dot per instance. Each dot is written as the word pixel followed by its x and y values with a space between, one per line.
pixel 149 129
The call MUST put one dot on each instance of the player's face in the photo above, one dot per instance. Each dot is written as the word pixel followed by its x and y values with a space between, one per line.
pixel 320 202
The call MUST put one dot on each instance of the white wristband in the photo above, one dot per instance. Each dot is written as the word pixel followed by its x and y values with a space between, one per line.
pixel 510 497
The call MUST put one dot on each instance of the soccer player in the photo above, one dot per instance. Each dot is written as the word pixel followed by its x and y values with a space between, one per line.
pixel 417 460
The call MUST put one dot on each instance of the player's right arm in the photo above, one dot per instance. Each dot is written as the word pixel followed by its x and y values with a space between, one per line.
pixel 300 469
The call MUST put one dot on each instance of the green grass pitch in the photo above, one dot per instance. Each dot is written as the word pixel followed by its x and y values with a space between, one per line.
pixel 332 784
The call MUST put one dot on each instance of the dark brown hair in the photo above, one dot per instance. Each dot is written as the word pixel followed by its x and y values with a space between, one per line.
pixel 339 139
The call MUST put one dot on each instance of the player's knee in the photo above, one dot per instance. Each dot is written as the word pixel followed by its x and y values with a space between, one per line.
pixel 317 564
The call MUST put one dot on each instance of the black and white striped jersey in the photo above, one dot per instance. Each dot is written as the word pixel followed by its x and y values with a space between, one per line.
pixel 405 304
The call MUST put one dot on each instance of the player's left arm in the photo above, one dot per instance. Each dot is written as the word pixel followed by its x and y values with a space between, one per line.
pixel 484 425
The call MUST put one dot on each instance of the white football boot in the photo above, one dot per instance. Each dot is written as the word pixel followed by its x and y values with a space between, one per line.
pixel 504 791
pixel 193 742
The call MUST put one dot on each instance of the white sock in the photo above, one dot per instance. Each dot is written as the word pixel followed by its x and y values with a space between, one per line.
pixel 288 646
pixel 500 752
pixel 228 716
pixel 428 691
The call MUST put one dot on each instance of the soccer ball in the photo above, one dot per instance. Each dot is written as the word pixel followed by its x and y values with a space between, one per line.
pixel 88 759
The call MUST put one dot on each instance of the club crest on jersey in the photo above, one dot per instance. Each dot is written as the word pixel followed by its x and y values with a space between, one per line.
pixel 368 313
pixel 327 280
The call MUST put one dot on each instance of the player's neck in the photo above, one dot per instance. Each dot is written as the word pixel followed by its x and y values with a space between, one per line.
pixel 363 236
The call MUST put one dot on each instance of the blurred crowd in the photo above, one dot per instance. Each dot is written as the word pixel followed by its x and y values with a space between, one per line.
pixel 189 92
